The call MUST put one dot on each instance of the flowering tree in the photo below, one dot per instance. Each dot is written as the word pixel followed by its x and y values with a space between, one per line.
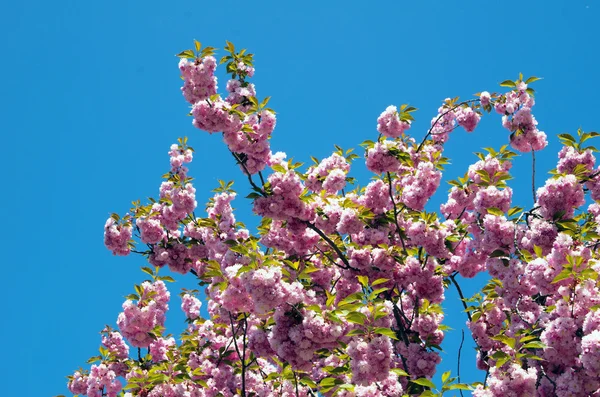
pixel 340 291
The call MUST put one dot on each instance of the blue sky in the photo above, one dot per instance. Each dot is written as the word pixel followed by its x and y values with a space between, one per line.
pixel 91 103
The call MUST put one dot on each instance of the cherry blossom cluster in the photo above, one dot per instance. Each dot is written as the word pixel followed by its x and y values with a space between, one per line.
pixel 138 319
pixel 340 291
pixel 246 125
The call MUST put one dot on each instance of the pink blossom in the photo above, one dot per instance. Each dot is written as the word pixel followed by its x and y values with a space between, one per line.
pixel 389 123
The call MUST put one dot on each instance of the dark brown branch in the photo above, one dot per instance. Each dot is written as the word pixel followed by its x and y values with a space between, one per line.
pixel 462 297
pixel 396 213
pixel 296 381
pixel 254 185
pixel 462 340
pixel 240 355
pixel 533 175
pixel 331 244
pixel 440 117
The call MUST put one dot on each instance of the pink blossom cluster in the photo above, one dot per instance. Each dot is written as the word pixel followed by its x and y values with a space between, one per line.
pixel 417 188
pixel 268 291
pixel 215 116
pixel 380 158
pixel 328 175
pixel 370 360
pixel 239 92
pixel 101 381
pixel 515 106
pixel 138 319
pixel 569 158
pixel 190 306
pixel 253 143
pixel 467 118
pixel 376 197
pixel 298 334
pixel 515 382
pixel 290 236
pixel 199 78
pixel 559 197
pixel 284 202
pixel 159 347
pixel 346 288
pixel 449 117
pixel 115 344
pixel 246 134
pixel 389 123
pixel 117 236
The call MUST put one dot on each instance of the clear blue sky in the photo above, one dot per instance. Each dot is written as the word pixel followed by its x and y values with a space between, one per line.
pixel 90 104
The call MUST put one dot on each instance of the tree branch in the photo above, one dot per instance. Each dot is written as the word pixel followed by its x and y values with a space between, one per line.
pixel 240 355
pixel 254 185
pixel 533 175
pixel 440 117
pixel 462 297
pixel 396 213
pixel 331 244
pixel 462 340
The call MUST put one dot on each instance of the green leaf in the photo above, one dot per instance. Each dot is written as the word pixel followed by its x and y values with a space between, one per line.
pixel 167 278
pixel 565 274
pixel 498 253
pixel 445 376
pixel 459 386
pixel 532 79
pixel 567 137
pixel 330 298
pixel 534 345
pixel 308 382
pixel 356 332
pixel 495 211
pixel 94 359
pixel 385 331
pixel 501 358
pixel 197 45
pixel 329 382
pixel 399 372
pixel 356 318
pixel 189 54
pixel 379 281
pixel 375 293
pixel 363 280
pixel 424 382
pixel 502 361
pixel 278 168
pixel 147 270
pixel 508 83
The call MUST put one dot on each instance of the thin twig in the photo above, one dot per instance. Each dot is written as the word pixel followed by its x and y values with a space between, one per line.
pixel 396 214
pixel 331 244
pixel 241 356
pixel 296 381
pixel 533 175
pixel 440 117
pixel 254 185
pixel 589 178
pixel 519 313
pixel 462 297
pixel 462 340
